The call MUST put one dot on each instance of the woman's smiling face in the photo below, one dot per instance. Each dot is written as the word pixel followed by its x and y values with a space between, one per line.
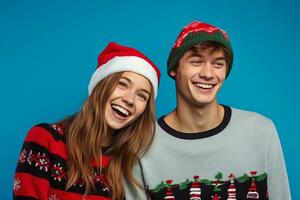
pixel 128 100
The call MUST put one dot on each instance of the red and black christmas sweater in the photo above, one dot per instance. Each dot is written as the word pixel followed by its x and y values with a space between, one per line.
pixel 42 170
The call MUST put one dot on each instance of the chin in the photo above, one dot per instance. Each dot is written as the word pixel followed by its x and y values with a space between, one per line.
pixel 204 99
pixel 118 125
pixel 115 126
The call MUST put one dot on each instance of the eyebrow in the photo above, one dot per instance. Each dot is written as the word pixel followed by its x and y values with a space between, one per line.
pixel 221 58
pixel 200 56
pixel 194 55
pixel 142 89
pixel 146 91
pixel 123 77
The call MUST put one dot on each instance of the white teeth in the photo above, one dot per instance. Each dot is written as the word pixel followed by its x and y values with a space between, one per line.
pixel 122 110
pixel 205 86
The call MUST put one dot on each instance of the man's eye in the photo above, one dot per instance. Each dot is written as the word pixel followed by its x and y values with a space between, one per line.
pixel 219 64
pixel 197 62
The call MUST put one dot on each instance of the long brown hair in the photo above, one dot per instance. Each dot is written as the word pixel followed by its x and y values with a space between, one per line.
pixel 86 131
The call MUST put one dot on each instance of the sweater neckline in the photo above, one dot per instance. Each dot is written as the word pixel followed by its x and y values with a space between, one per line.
pixel 197 135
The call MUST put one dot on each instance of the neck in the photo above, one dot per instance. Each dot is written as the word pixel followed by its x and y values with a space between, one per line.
pixel 193 119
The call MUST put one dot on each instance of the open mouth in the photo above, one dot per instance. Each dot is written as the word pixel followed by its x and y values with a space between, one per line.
pixel 120 111
pixel 204 86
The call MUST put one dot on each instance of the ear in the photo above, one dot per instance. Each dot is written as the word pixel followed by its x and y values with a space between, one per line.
pixel 173 73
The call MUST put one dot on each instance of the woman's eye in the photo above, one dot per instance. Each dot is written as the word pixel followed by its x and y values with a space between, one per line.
pixel 142 96
pixel 122 84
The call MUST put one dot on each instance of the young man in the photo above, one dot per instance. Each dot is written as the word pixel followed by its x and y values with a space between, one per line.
pixel 204 150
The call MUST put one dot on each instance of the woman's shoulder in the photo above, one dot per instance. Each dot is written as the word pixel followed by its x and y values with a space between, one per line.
pixel 45 133
pixel 52 128
pixel 48 139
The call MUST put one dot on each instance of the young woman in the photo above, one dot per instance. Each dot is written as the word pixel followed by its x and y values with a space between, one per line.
pixel 85 156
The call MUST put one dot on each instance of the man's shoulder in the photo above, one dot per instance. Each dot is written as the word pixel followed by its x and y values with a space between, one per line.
pixel 250 117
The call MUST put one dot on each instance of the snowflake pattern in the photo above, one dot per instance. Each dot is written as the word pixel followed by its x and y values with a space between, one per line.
pixel 22 157
pixel 101 179
pixel 41 161
pixel 53 197
pixel 58 173
pixel 57 128
pixel 29 158
pixel 98 178
pixel 17 184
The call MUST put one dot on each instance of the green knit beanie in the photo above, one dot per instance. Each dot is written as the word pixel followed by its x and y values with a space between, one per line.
pixel 195 33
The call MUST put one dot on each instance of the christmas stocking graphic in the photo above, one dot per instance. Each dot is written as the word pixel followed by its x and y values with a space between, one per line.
pixel 195 191
pixel 169 193
pixel 252 193
pixel 215 197
pixel 216 185
pixel 231 190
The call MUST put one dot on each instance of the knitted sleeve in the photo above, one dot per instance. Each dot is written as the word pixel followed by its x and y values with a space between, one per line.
pixel 278 185
pixel 33 172
pixel 132 192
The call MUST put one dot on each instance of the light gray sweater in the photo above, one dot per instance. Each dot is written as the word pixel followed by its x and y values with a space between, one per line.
pixel 239 159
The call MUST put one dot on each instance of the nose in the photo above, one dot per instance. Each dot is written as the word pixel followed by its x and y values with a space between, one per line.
pixel 206 71
pixel 128 98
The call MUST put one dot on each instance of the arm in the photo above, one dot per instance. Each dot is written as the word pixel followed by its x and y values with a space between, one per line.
pixel 278 185
pixel 136 193
pixel 32 178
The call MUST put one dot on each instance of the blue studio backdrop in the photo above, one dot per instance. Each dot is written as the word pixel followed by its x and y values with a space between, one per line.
pixel 48 51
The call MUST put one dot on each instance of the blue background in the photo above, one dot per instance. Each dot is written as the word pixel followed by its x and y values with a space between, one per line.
pixel 48 50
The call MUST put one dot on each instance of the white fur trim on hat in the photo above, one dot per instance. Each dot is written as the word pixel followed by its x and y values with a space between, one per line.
pixel 125 63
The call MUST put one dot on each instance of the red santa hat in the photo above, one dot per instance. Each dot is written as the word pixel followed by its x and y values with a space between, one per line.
pixel 117 58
